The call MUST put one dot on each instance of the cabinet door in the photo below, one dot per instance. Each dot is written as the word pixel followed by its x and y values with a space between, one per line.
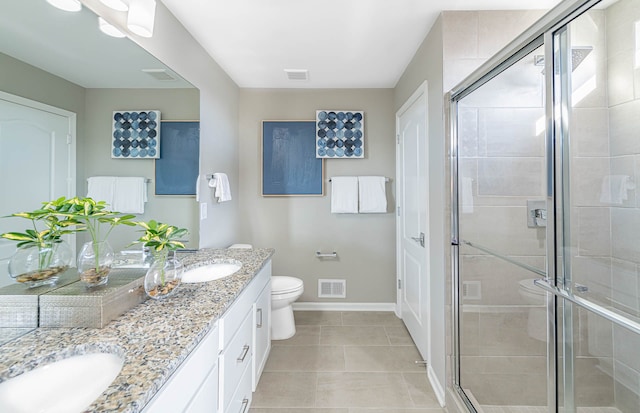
pixel 176 394
pixel 206 400
pixel 262 333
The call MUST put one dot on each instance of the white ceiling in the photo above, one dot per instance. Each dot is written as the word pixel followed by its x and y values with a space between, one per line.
pixel 343 43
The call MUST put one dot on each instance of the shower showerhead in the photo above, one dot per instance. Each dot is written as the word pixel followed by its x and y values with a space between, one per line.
pixel 578 54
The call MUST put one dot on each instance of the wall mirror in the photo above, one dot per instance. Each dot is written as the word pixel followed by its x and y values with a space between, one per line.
pixel 68 45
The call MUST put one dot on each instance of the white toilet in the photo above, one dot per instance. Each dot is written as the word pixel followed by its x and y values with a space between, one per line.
pixel 535 297
pixel 284 292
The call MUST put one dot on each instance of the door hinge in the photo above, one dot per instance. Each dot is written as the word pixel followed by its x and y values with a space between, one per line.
pixel 397 139
pixel 398 211
pixel 399 284
pixel 68 139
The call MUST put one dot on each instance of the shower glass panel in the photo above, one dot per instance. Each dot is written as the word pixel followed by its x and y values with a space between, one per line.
pixel 502 239
pixel 601 51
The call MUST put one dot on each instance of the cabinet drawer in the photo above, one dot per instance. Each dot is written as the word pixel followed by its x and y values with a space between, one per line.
pixel 237 312
pixel 235 359
pixel 241 400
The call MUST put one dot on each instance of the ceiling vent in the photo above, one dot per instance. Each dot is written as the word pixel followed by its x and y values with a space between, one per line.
pixel 297 74
pixel 159 74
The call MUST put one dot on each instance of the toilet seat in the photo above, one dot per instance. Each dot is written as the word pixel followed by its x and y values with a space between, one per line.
pixel 281 284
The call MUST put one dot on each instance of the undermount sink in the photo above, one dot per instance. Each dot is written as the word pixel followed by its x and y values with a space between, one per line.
pixel 211 272
pixel 66 386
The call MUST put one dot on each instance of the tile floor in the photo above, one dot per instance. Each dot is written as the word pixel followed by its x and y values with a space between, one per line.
pixel 345 362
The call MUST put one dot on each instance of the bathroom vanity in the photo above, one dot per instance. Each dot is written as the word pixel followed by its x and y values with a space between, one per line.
pixel 202 349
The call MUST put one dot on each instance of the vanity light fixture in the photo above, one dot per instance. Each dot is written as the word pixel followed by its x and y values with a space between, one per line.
pixel 109 29
pixel 141 16
pixel 66 5
pixel 119 5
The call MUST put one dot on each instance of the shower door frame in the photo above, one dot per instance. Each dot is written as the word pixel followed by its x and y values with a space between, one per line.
pixel 541 33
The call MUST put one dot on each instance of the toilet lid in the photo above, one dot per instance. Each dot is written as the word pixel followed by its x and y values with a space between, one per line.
pixel 530 287
pixel 281 284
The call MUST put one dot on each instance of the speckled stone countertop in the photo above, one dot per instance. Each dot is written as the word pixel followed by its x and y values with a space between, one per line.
pixel 154 337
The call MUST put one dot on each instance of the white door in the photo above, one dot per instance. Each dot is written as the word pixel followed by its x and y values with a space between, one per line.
pixel 412 236
pixel 37 163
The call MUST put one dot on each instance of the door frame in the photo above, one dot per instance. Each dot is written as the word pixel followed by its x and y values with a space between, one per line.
pixel 71 139
pixel 420 95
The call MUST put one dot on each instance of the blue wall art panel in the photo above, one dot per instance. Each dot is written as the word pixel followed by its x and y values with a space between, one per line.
pixel 339 134
pixel 178 167
pixel 136 134
pixel 289 164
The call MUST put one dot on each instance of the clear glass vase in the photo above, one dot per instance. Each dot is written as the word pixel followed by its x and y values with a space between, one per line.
pixel 94 263
pixel 163 277
pixel 40 265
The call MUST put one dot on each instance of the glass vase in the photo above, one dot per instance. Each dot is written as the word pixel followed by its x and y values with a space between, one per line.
pixel 94 263
pixel 40 265
pixel 163 277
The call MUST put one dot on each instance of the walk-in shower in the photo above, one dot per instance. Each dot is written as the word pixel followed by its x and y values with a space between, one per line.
pixel 546 218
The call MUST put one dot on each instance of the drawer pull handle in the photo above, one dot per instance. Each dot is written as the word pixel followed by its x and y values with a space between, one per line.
pixel 245 404
pixel 259 324
pixel 245 350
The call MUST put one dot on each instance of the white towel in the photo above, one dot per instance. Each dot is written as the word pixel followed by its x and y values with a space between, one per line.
pixel 372 194
pixel 130 194
pixel 223 190
pixel 466 195
pixel 101 188
pixel 198 188
pixel 615 189
pixel 344 195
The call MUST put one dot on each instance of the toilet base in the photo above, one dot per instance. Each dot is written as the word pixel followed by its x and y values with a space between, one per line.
pixel 283 325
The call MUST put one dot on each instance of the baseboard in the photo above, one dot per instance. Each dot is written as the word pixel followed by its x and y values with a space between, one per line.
pixel 435 384
pixel 313 306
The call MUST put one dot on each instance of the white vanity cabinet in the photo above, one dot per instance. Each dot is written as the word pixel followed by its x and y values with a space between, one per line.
pixel 223 370
pixel 241 334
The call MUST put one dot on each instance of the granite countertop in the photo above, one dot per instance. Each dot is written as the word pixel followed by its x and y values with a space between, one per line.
pixel 154 338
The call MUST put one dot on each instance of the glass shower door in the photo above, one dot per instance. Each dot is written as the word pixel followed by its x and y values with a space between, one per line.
pixel 599 60
pixel 502 239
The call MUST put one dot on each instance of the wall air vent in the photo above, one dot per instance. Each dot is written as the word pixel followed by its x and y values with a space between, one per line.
pixel 297 74
pixel 332 288
pixel 472 290
pixel 159 74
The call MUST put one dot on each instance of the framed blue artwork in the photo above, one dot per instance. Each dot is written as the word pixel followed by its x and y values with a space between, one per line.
pixel 178 167
pixel 136 134
pixel 289 164
pixel 339 134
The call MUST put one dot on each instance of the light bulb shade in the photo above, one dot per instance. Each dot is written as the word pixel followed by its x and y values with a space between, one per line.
pixel 141 16
pixel 108 28
pixel 66 5
pixel 119 5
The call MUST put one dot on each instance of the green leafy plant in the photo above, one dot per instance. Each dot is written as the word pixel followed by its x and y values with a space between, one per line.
pixel 92 216
pixel 161 238
pixel 45 234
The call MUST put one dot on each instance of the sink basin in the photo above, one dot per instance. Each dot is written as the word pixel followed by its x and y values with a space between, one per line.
pixel 211 272
pixel 66 386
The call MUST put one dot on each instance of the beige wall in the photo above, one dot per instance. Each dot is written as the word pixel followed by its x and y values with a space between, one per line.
pixel 175 47
pixel 299 226
pixel 173 104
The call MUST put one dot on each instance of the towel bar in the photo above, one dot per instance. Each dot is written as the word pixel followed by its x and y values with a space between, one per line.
pixel 326 255
pixel 386 179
